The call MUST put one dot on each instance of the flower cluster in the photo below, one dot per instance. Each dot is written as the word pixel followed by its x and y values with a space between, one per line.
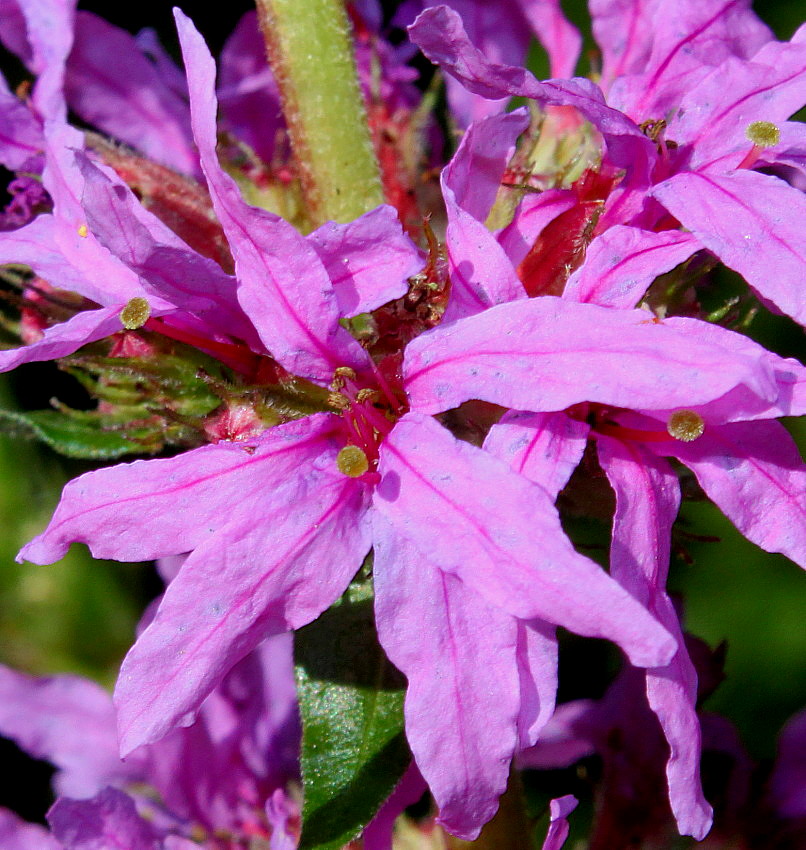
pixel 399 402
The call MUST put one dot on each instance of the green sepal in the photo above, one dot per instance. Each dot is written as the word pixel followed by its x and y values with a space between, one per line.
pixel 354 750
pixel 70 436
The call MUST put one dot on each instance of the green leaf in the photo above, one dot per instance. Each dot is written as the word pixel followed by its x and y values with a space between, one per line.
pixel 354 750
pixel 68 436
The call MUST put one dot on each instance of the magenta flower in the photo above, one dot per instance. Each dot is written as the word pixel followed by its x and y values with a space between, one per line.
pixel 692 155
pixel 224 777
pixel 750 468
pixel 443 516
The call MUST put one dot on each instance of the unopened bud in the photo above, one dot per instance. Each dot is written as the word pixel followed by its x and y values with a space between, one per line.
pixel 685 425
pixel 352 462
pixel 135 314
pixel 763 134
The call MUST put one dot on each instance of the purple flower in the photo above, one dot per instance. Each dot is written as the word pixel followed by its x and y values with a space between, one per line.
pixel 225 775
pixel 691 157
pixel 441 514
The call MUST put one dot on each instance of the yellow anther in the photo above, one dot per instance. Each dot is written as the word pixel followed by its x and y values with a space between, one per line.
pixel 763 134
pixel 83 231
pixel 367 394
pixel 352 461
pixel 685 425
pixel 135 314
pixel 338 401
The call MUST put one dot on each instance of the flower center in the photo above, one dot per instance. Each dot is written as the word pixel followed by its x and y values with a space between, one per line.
pixel 369 414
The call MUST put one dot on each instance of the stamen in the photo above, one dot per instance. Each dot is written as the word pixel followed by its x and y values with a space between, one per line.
pixel 763 134
pixel 367 394
pixel 135 314
pixel 352 461
pixel 685 425
pixel 339 401
pixel 83 231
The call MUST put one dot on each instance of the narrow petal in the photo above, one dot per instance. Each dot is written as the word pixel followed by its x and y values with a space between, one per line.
pixel 125 96
pixel 68 721
pixel 581 352
pixel 248 581
pixel 558 828
pixel 537 657
pixel 501 535
pixel 753 472
pixel 559 37
pixel 247 91
pixel 480 273
pixel 544 447
pixel 647 501
pixel 753 223
pixel 622 262
pixel 166 266
pixel 64 339
pixel 369 260
pixel 462 697
pixel 378 832
pixel 152 508
pixel 16 834
pixel 439 33
pixel 109 820
pixel 284 286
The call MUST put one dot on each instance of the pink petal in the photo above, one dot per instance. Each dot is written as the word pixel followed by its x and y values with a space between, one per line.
pixel 68 721
pixel 647 501
pixel 250 580
pixel 368 260
pixel 284 287
pixel 544 447
pixel 689 37
pixel 112 85
pixel 480 273
pixel 164 264
pixel 623 29
pixel 152 508
pixel 713 118
pixel 247 91
pixel 752 222
pixel 622 262
pixel 581 352
pixel 66 338
pixel 501 535
pixel 16 834
pixel 440 34
pixel 109 820
pixel 533 214
pixel 378 832
pixel 462 697
pixel 537 657
pixel 753 472
pixel 558 828
pixel 559 37
pixel 20 133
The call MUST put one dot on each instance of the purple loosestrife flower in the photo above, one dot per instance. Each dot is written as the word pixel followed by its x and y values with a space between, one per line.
pixel 455 533
pixel 750 468
pixel 680 146
pixel 220 782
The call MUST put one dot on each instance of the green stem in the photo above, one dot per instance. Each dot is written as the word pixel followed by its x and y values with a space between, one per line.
pixel 310 52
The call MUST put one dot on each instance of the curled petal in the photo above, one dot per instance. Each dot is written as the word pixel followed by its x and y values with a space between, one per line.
pixel 558 828
pixel 368 260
